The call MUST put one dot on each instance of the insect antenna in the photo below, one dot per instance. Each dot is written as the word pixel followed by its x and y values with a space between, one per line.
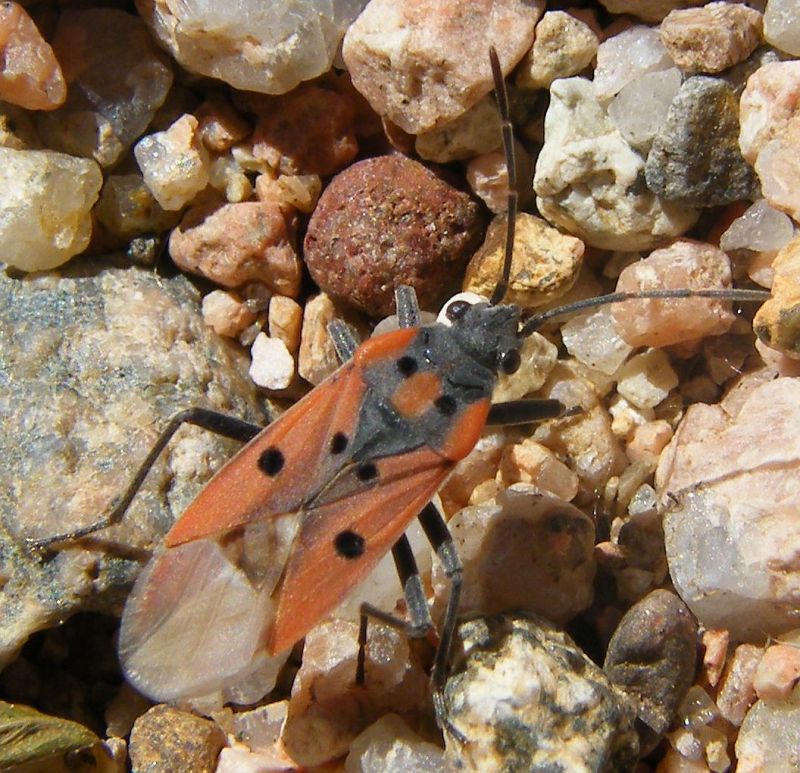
pixel 501 95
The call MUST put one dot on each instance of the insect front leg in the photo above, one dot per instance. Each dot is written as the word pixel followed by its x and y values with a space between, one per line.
pixel 343 339
pixel 528 412
pixel 407 305
pixel 421 623
pixel 218 423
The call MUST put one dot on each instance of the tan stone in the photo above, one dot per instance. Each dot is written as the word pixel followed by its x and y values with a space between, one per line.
pixel 777 322
pixel 226 313
pixel 220 125
pixel 778 169
pixel 531 462
pixel 777 672
pixel 286 321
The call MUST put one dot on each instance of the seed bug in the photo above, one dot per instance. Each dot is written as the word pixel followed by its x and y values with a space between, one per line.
pixel 312 502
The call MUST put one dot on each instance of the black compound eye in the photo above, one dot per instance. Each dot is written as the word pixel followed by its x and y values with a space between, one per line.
pixel 271 461
pixel 510 361
pixel 456 310
pixel 349 544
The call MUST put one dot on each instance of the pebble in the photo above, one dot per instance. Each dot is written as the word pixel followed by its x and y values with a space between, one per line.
pixel 227 176
pixel 646 379
pixel 737 690
pixel 760 228
pixel 564 46
pixel 174 163
pixel 769 739
pixel 592 338
pixel 626 417
pixel 715 651
pixel 273 365
pixel 390 746
pixel 641 107
pixel 522 696
pixel 538 357
pixel 712 38
pixel 226 313
pixel 487 176
pixel 767 104
pixel 531 462
pixel 286 321
pixel 777 167
pixel 651 657
pixel 588 179
pixel 777 672
pixel 544 266
pixel 252 46
pixel 478 466
pixel 166 738
pixel 220 125
pixel 307 131
pixel 625 57
pixel 234 244
pixel 782 26
pixel 300 192
pixel 730 523
pixel 30 76
pixel 116 80
pixel 127 208
pixel 524 549
pixel 478 130
pixel 648 10
pixel 684 164
pixel 33 182
pixel 384 222
pixel 422 66
pixel 685 263
pixel 776 322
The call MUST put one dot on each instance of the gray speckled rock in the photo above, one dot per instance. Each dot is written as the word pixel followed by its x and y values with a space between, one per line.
pixel 525 698
pixel 93 360
pixel 695 158
pixel 651 657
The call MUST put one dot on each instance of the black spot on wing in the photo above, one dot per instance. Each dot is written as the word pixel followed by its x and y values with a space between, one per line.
pixel 349 544
pixel 366 471
pixel 271 461
pixel 338 443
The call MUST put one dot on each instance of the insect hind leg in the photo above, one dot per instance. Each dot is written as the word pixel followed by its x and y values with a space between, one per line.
pixel 218 423
pixel 420 625
pixel 407 305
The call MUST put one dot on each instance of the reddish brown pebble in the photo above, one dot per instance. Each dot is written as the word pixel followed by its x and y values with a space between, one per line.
pixel 307 131
pixel 389 221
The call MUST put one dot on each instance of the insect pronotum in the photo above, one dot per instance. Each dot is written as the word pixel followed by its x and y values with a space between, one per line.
pixel 340 476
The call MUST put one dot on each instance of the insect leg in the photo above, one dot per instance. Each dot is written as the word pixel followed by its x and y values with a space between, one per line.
pixel 218 423
pixel 420 624
pixel 435 528
pixel 407 305
pixel 527 412
pixel 343 339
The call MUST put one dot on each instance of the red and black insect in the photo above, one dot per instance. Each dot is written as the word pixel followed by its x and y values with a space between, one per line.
pixel 311 504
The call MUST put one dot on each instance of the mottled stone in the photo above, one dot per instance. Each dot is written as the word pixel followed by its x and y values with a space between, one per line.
pixel 589 181
pixel 35 182
pixel 646 379
pixel 101 358
pixel 782 26
pixel 308 131
pixel 651 657
pixel 712 38
pixel 174 163
pixel 778 167
pixel 564 46
pixel 768 102
pixel 253 46
pixel 423 64
pixel 168 739
pixel 476 131
pixel 503 567
pixel 238 243
pixel 545 264
pixel 522 696
pixel 684 264
pixel 127 208
pixel 30 75
pixel 116 80
pixel 695 158
pixel 730 522
pixel 777 322
pixel 626 57
pixel 384 222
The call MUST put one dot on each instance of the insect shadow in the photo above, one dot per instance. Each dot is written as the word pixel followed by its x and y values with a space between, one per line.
pixel 314 501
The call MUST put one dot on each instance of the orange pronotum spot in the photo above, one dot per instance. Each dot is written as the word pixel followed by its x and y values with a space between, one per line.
pixel 416 394
pixel 384 347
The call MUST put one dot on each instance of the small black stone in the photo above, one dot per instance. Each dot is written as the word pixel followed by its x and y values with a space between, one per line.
pixel 348 544
pixel 366 471
pixel 338 443
pixel 271 462
pixel 407 366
